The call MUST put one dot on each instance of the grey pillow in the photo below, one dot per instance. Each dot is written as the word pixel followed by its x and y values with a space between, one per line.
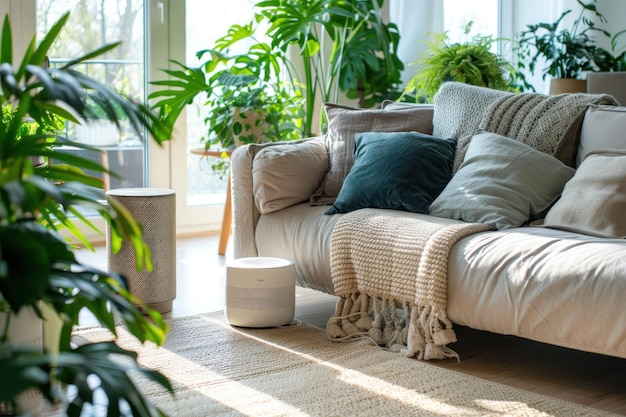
pixel 594 200
pixel 501 182
pixel 344 122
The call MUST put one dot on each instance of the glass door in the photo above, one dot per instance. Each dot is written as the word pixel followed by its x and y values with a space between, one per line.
pixel 201 191
pixel 152 32
pixel 93 23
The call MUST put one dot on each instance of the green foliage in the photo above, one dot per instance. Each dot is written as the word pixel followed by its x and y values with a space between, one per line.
pixel 343 45
pixel 360 45
pixel 569 52
pixel 371 69
pixel 470 62
pixel 38 199
pixel 112 364
pixel 250 82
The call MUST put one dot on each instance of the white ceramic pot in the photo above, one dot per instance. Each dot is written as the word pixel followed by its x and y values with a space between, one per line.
pixel 248 123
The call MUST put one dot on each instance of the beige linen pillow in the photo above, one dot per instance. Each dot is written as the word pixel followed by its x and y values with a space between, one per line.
pixel 344 122
pixel 603 127
pixel 391 105
pixel 285 175
pixel 594 200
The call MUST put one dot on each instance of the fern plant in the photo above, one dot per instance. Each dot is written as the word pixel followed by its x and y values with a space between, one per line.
pixel 471 62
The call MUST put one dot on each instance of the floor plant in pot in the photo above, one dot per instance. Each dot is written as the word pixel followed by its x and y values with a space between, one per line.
pixel 339 46
pixel 37 265
pixel 235 85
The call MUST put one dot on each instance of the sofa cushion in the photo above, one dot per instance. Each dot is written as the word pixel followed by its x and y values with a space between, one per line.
pixel 279 181
pixel 594 200
pixel 603 128
pixel 344 122
pixel 543 284
pixel 402 171
pixel 501 182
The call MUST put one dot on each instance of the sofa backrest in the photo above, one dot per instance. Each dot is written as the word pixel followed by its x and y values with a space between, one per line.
pixel 603 128
pixel 549 123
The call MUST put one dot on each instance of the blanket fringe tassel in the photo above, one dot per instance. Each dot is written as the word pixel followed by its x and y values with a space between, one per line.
pixel 422 332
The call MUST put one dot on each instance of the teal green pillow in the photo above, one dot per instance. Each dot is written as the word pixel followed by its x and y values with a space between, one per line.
pixel 401 171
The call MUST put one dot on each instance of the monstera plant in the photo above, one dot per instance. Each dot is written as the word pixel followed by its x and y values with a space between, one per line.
pixel 315 50
pixel 37 266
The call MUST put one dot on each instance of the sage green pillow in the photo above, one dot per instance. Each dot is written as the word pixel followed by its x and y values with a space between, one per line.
pixel 501 182
pixel 402 171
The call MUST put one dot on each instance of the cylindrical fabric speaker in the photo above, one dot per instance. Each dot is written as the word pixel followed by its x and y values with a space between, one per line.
pixel 260 292
pixel 155 210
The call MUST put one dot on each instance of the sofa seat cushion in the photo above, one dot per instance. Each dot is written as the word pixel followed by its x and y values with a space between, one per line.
pixel 548 285
pixel 302 234
pixel 544 284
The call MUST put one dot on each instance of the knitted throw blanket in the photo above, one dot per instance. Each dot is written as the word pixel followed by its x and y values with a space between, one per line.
pixel 538 120
pixel 384 260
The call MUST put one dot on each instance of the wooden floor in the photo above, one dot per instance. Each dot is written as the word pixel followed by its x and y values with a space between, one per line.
pixel 593 380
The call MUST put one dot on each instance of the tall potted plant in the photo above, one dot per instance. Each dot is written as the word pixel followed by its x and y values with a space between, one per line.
pixel 37 265
pixel 339 46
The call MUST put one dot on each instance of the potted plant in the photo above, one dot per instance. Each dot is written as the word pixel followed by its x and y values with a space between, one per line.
pixel 471 62
pixel 567 53
pixel 37 266
pixel 341 46
pixel 246 97
pixel 360 59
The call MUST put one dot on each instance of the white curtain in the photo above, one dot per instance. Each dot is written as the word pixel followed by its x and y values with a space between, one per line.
pixel 415 19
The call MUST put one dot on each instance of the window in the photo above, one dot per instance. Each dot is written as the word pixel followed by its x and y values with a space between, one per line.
pixel 205 23
pixel 484 15
pixel 92 24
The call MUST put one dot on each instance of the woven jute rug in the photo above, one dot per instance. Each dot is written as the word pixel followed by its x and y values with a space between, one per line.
pixel 220 370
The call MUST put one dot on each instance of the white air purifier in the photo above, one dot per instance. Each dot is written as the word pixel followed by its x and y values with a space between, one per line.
pixel 260 292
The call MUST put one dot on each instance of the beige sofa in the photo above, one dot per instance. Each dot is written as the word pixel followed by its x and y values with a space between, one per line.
pixel 562 282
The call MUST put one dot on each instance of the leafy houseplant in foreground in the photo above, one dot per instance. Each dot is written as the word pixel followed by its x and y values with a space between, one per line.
pixel 37 266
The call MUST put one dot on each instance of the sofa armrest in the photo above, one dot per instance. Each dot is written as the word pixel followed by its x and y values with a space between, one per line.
pixel 269 177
